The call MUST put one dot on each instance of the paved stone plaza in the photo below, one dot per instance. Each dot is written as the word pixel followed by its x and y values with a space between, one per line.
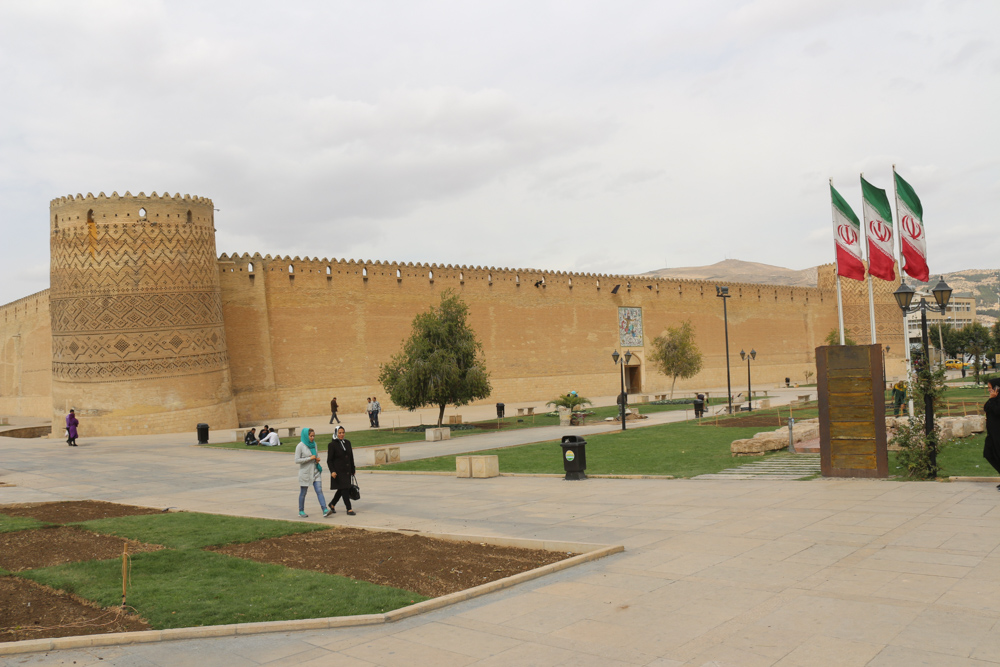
pixel 715 572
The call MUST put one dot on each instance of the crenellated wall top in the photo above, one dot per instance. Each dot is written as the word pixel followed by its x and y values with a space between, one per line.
pixel 128 196
pixel 76 211
pixel 261 263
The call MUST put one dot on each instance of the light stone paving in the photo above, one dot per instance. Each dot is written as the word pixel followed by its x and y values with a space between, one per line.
pixel 715 572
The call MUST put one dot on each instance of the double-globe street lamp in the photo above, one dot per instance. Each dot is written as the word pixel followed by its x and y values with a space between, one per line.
pixel 722 292
pixel 749 357
pixel 621 397
pixel 904 297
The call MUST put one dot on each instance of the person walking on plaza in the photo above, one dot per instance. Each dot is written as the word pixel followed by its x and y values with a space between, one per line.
pixel 991 449
pixel 376 409
pixel 71 423
pixel 310 471
pixel 371 419
pixel 333 410
pixel 340 461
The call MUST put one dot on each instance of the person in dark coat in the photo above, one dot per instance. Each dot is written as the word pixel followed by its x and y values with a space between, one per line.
pixel 333 410
pixel 991 450
pixel 340 461
pixel 71 423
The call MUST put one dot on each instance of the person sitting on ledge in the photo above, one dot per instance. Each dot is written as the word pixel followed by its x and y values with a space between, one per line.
pixel 270 440
pixel 250 438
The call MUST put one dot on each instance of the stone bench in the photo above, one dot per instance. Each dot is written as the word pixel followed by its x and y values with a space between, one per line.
pixel 479 467
pixel 385 455
pixel 291 430
pixel 454 419
pixel 241 434
pixel 521 412
pixel 435 434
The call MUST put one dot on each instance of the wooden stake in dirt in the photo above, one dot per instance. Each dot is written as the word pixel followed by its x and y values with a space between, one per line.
pixel 125 569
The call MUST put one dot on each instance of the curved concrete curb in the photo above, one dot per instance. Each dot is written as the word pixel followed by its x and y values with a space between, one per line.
pixel 590 552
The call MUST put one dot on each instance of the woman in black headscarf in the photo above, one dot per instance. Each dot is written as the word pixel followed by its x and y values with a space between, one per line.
pixel 991 450
pixel 340 461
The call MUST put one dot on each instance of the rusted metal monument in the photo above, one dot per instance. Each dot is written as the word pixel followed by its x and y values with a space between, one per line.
pixel 852 437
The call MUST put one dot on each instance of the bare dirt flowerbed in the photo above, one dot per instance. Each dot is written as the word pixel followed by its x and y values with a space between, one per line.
pixel 71 511
pixel 424 565
pixel 45 547
pixel 32 611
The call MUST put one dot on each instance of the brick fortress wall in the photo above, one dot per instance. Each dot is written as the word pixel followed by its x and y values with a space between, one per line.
pixel 26 357
pixel 138 340
pixel 300 331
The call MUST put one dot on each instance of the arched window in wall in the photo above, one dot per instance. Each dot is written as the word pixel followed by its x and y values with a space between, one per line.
pixel 249 267
pixel 189 218
pixel 291 269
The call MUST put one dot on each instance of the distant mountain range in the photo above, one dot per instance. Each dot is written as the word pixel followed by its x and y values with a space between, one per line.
pixel 738 271
pixel 984 284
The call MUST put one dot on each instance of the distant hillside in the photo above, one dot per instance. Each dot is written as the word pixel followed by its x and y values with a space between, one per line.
pixel 984 284
pixel 738 271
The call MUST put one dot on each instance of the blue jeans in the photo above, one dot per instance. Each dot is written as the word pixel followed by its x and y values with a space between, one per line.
pixel 319 492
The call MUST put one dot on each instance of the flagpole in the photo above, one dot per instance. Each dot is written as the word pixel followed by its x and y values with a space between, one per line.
pixel 840 301
pixel 906 327
pixel 840 311
pixel 871 295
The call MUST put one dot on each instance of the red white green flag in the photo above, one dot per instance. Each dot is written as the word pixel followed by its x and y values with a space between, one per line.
pixel 878 231
pixel 847 235
pixel 913 244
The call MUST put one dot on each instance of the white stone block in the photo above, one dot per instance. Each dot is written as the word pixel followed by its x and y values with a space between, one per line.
pixel 463 468
pixel 485 466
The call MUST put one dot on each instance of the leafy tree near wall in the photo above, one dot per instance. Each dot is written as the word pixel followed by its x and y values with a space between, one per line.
pixel 441 363
pixel 676 354
pixel 975 340
pixel 937 332
pixel 833 338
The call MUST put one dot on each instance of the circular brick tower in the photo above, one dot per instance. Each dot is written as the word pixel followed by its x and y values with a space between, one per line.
pixel 138 342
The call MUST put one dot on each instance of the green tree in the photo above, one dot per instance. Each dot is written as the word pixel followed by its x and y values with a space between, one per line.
pixel 976 340
pixel 441 363
pixel 833 338
pixel 676 354
pixel 938 332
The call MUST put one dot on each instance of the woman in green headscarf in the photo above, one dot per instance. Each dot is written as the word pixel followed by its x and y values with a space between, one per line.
pixel 310 471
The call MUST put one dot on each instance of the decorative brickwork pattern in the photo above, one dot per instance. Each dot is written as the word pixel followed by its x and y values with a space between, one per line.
pixel 134 297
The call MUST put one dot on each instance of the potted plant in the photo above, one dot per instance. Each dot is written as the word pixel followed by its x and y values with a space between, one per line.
pixel 566 405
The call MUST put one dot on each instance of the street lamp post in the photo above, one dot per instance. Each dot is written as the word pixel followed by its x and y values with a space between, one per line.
pixel 621 397
pixel 749 357
pixel 723 293
pixel 904 297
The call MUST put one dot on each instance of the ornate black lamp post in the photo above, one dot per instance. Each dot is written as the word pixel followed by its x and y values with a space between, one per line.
pixel 749 357
pixel 723 293
pixel 904 297
pixel 621 396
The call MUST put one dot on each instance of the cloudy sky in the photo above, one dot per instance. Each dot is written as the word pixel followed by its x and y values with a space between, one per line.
pixel 591 136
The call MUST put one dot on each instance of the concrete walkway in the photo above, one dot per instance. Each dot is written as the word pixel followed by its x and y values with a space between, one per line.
pixel 715 572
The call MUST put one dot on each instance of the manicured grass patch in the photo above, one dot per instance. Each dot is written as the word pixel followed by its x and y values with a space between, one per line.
pixel 358 439
pixel 176 589
pixel 191 530
pixel 9 524
pixel 682 449
pixel 958 458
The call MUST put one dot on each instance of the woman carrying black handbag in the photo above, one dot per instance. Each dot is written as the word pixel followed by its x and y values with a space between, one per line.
pixel 340 461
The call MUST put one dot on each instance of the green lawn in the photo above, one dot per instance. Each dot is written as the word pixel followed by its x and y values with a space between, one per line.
pixel 384 436
pixel 184 586
pixel 190 587
pixel 683 449
pixel 192 530
pixel 10 524
pixel 958 458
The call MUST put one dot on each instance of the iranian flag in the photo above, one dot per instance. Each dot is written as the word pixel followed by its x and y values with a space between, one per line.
pixel 878 231
pixel 847 234
pixel 913 244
